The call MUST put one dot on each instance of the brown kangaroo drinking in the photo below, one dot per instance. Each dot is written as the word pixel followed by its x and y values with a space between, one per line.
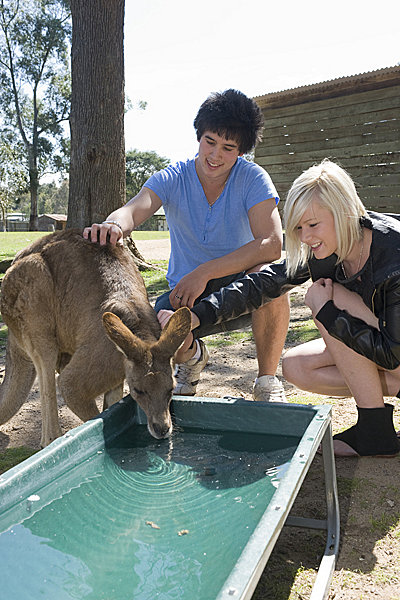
pixel 82 309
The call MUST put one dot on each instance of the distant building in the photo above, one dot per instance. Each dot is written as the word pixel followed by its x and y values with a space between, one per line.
pixel 157 222
pixel 16 222
pixel 52 222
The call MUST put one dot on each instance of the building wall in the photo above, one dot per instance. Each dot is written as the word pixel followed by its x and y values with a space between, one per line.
pixel 46 223
pixel 355 123
pixel 17 225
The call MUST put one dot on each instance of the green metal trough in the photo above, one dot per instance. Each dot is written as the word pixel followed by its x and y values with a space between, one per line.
pixel 107 512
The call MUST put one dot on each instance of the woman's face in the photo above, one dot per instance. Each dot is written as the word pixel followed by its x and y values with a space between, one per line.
pixel 317 230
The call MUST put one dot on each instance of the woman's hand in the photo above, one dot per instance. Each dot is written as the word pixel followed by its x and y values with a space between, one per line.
pixel 104 233
pixel 318 294
pixel 164 316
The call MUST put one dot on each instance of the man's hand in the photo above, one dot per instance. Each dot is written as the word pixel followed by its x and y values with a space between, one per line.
pixel 104 233
pixel 318 294
pixel 190 287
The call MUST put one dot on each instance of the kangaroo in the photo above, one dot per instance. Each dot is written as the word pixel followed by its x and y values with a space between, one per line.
pixel 82 309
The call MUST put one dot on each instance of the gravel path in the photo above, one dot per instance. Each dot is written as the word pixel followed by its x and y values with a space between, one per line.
pixel 154 249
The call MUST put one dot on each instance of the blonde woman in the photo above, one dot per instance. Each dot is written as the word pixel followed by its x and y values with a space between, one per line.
pixel 353 257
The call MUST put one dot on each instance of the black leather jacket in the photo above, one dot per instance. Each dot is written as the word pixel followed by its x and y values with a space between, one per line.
pixel 382 345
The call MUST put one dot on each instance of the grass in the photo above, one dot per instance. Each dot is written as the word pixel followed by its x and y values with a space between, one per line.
pixel 298 333
pixel 3 336
pixel 227 338
pixel 347 486
pixel 13 456
pixel 382 523
pixel 150 235
pixel 302 331
pixel 12 242
pixel 155 281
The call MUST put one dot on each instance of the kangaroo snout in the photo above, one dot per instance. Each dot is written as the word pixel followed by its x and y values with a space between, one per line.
pixel 160 430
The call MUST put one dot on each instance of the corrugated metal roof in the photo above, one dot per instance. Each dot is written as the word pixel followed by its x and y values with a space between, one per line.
pixel 346 84
pixel 56 217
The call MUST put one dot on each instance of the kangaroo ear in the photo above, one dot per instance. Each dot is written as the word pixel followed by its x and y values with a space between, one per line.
pixel 132 346
pixel 177 328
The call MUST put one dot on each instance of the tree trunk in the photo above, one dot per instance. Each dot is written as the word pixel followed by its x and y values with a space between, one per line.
pixel 97 172
pixel 33 189
pixel 3 218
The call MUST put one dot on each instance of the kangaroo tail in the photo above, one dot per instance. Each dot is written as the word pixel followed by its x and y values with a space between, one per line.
pixel 18 380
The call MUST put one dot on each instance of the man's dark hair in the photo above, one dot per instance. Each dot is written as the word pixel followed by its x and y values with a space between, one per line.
pixel 231 115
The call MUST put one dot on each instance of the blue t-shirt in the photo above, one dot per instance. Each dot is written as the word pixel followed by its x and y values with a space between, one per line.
pixel 200 232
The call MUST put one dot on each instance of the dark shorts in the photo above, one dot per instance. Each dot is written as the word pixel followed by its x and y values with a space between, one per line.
pixel 214 285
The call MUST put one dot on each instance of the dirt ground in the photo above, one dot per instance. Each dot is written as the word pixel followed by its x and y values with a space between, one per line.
pixel 369 490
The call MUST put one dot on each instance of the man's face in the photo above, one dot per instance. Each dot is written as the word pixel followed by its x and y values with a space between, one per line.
pixel 217 155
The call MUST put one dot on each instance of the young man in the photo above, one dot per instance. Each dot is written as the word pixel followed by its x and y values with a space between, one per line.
pixel 223 220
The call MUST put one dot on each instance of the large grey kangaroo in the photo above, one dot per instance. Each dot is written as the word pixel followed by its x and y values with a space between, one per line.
pixel 82 309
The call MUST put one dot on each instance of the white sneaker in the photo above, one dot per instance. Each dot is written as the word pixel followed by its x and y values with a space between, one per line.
pixel 268 388
pixel 187 374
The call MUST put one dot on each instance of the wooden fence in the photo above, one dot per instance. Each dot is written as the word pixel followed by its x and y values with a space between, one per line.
pixel 354 121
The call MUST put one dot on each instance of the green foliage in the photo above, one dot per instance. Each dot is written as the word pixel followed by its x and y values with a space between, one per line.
pixel 132 104
pixel 12 176
pixel 139 167
pixel 53 199
pixel 35 83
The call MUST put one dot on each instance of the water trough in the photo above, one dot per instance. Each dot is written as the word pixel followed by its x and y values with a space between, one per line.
pixel 109 513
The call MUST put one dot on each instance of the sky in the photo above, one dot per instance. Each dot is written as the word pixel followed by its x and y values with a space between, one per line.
pixel 177 52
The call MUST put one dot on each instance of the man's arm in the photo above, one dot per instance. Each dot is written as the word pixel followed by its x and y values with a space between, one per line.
pixel 266 247
pixel 122 221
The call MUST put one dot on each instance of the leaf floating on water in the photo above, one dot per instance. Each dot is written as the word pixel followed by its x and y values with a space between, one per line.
pixel 152 524
pixel 183 532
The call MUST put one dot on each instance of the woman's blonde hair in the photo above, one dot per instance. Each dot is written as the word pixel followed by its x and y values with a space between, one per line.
pixel 333 188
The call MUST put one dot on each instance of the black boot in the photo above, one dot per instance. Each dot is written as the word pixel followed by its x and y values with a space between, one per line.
pixel 374 433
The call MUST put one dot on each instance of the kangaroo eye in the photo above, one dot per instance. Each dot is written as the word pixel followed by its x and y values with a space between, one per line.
pixel 138 391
